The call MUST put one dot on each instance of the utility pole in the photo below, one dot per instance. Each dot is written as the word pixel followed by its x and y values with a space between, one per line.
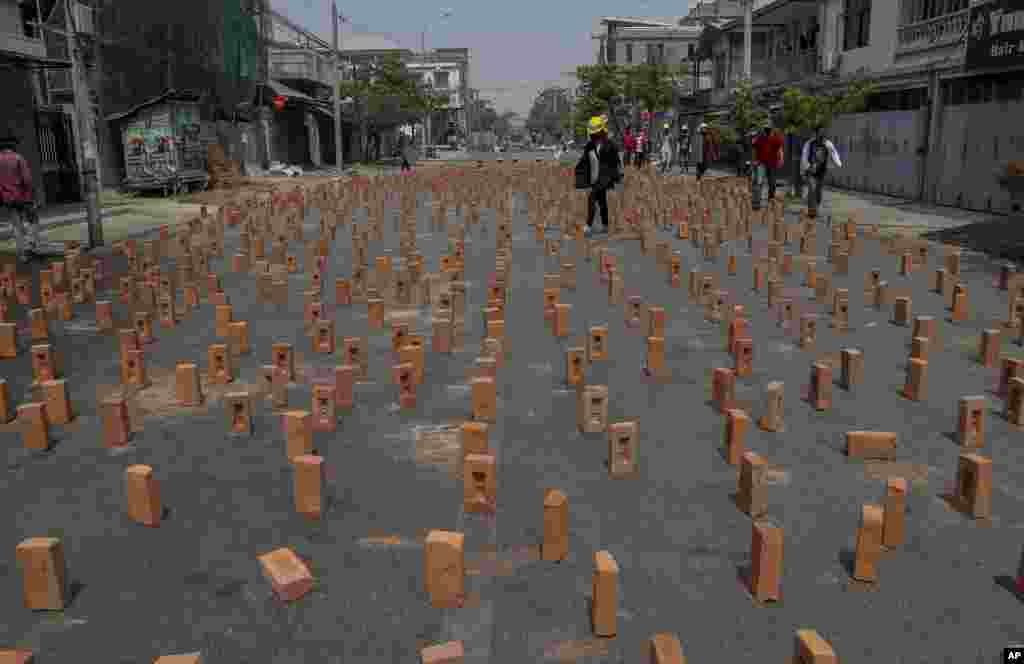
pixel 748 7
pixel 339 148
pixel 85 128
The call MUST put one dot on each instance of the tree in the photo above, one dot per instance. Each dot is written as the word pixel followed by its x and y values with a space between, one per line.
pixel 503 123
pixel 651 85
pixel 383 96
pixel 803 112
pixel 600 88
pixel 548 112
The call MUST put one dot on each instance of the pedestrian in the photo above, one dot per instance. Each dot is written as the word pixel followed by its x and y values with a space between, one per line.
pixel 814 161
pixel 628 146
pixel 17 196
pixel 666 150
pixel 641 149
pixel 705 149
pixel 604 165
pixel 684 148
pixel 768 155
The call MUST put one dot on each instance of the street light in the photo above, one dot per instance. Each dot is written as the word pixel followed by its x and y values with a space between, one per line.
pixel 336 17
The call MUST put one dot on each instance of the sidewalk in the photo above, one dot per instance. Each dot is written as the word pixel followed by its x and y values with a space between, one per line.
pixel 886 211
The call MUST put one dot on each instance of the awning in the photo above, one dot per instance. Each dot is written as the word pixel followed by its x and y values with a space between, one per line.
pixel 169 95
pixel 281 90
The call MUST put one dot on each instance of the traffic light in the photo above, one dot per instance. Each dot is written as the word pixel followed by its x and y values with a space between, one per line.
pixel 279 102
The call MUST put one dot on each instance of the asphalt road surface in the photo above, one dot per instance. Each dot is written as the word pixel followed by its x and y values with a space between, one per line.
pixel 681 544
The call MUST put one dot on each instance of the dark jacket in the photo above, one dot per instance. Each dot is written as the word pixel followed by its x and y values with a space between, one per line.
pixel 608 158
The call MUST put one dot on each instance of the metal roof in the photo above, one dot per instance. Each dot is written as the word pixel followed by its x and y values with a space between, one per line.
pixel 168 95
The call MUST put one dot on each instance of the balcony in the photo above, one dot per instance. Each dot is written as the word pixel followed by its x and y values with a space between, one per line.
pixel 295 64
pixel 934 33
pixel 12 42
pixel 777 71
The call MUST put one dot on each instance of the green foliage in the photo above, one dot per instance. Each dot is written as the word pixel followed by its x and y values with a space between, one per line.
pixel 550 113
pixel 599 86
pixel 651 84
pixel 387 95
pixel 746 113
pixel 803 112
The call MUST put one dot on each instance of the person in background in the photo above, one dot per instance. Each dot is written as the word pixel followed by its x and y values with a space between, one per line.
pixel 17 196
pixel 684 148
pixel 666 150
pixel 705 149
pixel 628 146
pixel 605 171
pixel 642 148
pixel 814 161
pixel 768 146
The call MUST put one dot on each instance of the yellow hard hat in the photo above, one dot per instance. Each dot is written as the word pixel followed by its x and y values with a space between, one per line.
pixel 597 125
pixel 666 125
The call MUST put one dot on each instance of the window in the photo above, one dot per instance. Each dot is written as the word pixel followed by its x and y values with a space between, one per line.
pixel 661 53
pixel 441 80
pixel 610 51
pixel 915 11
pixel 857 24
pixel 691 50
pixel 629 54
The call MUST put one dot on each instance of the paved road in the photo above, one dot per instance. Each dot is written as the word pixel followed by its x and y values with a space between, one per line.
pixel 194 583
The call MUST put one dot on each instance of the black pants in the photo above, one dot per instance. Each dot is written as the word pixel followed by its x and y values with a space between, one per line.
pixel 771 174
pixel 701 169
pixel 405 164
pixel 597 198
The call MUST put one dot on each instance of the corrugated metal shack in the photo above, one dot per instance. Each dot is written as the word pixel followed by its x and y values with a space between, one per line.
pixel 164 149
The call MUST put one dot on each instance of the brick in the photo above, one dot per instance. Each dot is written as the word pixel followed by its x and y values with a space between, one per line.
pixel 58 402
pixel 655 360
pixel 723 389
pixel 298 427
pixel 919 348
pixel 773 419
pixel 144 326
pixel 605 595
pixel 307 485
pixel 6 412
pixel 143 492
pixel 766 562
pixel 1014 407
pixel 35 429
pixel 737 423
pixel 597 343
pixel 555 545
pixel 738 328
pixel 445 569
pixel 188 389
pixel 895 507
pixel 473 438
pixel 852 368
pixel 116 423
pixel 989 351
pixel 284 360
pixel 17 657
pixel 479 483
pixel 344 386
pixel 238 337
pixel 1011 368
pixel 821 383
pixel 325 419
pixel 974 485
pixel 561 319
pixel 916 386
pixel 450 652
pixel 220 367
pixel 8 341
pixel 971 421
pixel 44 363
pixel 239 411
pixel 592 409
pixel 623 448
pixel 404 375
pixel 871 445
pixel 44 575
pixel 39 327
pixel 665 648
pixel 288 575
pixel 750 492
pixel 927 327
pixel 869 544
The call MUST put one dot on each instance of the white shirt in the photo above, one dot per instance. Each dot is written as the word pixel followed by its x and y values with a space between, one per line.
pixel 595 163
pixel 805 155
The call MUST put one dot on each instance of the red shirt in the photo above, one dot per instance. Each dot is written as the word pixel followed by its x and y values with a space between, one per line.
pixel 15 178
pixel 767 149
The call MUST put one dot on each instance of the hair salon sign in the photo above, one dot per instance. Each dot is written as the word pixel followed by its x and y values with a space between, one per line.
pixel 995 35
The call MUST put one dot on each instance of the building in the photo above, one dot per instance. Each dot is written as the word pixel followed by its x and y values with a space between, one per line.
pixel 301 69
pixel 445 70
pixel 45 132
pixel 945 119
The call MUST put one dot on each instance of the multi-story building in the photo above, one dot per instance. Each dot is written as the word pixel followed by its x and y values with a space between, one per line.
pixel 946 115
pixel 446 71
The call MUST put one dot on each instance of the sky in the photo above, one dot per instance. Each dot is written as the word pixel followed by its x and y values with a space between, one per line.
pixel 517 47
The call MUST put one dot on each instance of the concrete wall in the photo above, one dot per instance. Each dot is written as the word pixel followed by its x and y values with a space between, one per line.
pixel 977 141
pixel 18 116
pixel 879 53
pixel 879 152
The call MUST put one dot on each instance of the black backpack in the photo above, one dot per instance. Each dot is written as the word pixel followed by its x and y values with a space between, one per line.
pixel 583 171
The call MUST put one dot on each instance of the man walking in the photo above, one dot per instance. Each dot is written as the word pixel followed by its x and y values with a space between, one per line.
pixel 604 166
pixel 665 163
pixel 768 157
pixel 814 161
pixel 17 196
pixel 704 149
pixel 684 148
